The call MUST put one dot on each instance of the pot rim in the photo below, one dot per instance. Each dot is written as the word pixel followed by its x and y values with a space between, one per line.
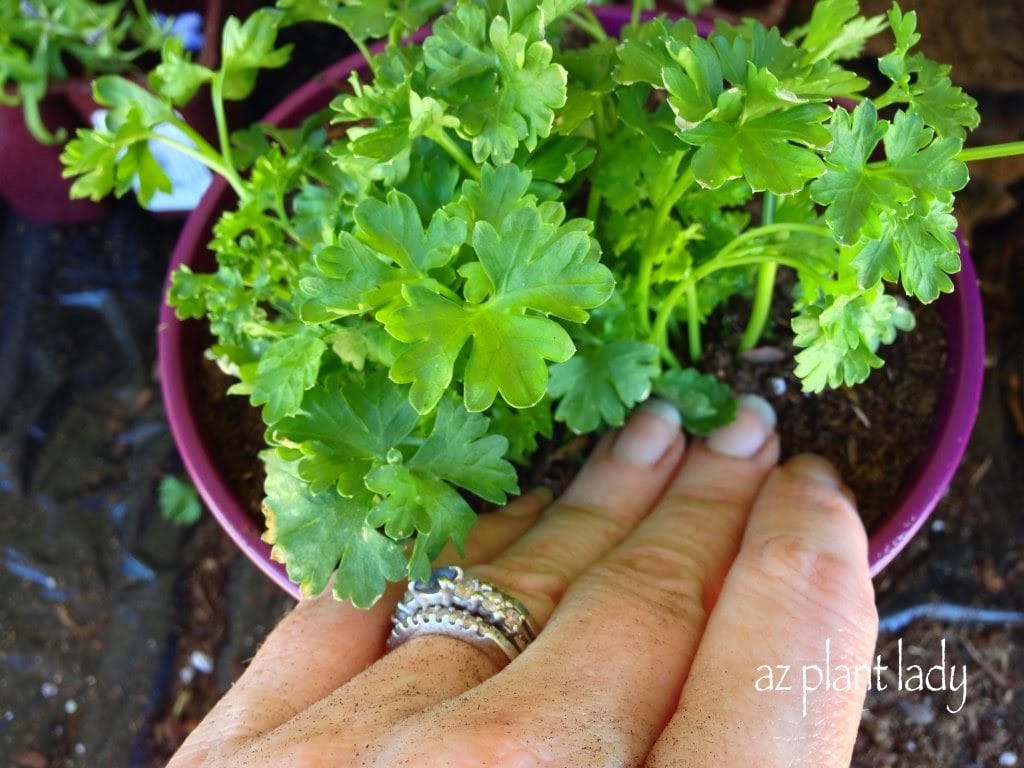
pixel 961 312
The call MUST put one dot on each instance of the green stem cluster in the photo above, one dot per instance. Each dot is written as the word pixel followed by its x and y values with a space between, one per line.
pixel 765 285
pixel 588 22
pixel 650 248
pixel 739 252
pixel 204 153
pixel 449 145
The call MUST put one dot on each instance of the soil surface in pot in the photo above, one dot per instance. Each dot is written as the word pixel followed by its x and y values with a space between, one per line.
pixel 873 433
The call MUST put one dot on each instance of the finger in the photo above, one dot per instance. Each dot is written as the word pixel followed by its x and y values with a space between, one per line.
pixel 617 487
pixel 323 643
pixel 604 676
pixel 800 581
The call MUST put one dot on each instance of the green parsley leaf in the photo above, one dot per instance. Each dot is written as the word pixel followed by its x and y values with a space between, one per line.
pixel 904 29
pixel 503 85
pixel 925 250
pixel 357 434
pixel 364 19
pixel 942 105
pixel 110 159
pixel 459 450
pixel 177 77
pixel 773 151
pixel 704 402
pixel 530 266
pixel 179 501
pixel 316 534
pixel 836 31
pixel 399 116
pixel 923 84
pixel 248 47
pixel 366 271
pixel 853 192
pixel 500 191
pixel 288 367
pixel 601 383
pixel 895 211
pixel 344 429
pixel 644 52
pixel 417 494
pixel 840 336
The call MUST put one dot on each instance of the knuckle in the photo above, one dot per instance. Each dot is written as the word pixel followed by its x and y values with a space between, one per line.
pixel 597 518
pixel 476 744
pixel 831 503
pixel 838 508
pixel 539 582
pixel 707 495
pixel 813 575
pixel 656 579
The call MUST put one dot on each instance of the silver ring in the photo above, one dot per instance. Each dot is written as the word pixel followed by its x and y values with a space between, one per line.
pixel 449 603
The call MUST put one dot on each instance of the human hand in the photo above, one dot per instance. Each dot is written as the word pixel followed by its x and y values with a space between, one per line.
pixel 663 580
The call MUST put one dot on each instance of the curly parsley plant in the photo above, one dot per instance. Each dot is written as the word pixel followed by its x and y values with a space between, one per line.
pixel 522 221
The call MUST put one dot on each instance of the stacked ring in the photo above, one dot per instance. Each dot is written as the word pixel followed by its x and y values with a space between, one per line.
pixel 451 604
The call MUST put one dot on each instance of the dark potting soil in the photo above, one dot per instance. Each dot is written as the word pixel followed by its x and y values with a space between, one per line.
pixel 873 432
pixel 234 431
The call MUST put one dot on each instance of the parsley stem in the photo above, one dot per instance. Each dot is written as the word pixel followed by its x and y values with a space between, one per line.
pixel 210 159
pixel 448 144
pixel 634 16
pixel 651 243
pixel 762 305
pixel 367 56
pixel 594 195
pixel 896 92
pixel 217 96
pixel 693 322
pixel 286 224
pixel 991 151
pixel 35 125
pixel 765 285
pixel 659 333
pixel 771 229
pixel 587 21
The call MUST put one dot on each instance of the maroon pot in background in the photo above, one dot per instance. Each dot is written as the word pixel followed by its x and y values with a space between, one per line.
pixel 31 174
pixel 180 346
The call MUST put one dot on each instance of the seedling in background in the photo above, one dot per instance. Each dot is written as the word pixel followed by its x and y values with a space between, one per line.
pixel 46 41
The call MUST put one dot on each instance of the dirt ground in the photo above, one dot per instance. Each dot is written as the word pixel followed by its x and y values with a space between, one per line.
pixel 119 631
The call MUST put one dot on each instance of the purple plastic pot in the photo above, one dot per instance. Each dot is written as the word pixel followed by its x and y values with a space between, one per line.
pixel 181 348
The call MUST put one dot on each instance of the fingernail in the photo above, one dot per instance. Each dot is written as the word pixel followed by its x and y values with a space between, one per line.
pixel 648 433
pixel 754 422
pixel 815 469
